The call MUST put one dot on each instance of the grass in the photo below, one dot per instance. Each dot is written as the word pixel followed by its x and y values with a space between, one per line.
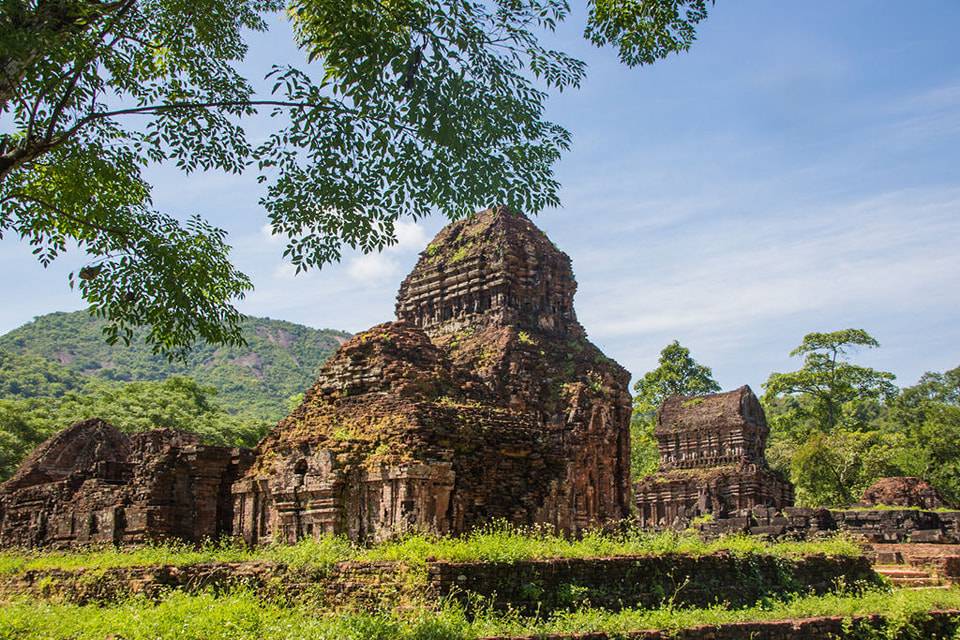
pixel 240 615
pixel 491 544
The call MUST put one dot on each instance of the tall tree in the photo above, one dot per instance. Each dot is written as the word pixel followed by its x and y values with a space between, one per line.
pixel 419 105
pixel 823 420
pixel 828 384
pixel 677 374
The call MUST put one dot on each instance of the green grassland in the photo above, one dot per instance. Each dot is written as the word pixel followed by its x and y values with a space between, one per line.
pixel 241 615
pixel 495 543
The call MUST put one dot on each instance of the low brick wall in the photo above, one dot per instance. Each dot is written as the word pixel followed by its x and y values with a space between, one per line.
pixel 528 586
pixel 874 525
pixel 645 581
pixel 934 625
pixel 369 584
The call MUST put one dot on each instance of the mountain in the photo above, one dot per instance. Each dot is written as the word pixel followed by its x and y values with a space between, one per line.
pixel 61 352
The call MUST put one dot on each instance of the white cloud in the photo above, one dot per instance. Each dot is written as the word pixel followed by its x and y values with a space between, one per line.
pixel 266 231
pixel 411 236
pixel 372 268
pixel 734 285
pixel 385 266
pixel 285 271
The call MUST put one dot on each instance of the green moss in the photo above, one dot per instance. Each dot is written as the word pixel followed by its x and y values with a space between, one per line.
pixel 889 507
pixel 460 254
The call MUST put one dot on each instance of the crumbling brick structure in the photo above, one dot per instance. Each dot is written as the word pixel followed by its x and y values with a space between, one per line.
pixel 903 491
pixel 92 484
pixel 483 400
pixel 711 461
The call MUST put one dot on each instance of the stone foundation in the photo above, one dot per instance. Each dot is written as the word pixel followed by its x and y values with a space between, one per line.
pixel 888 526
pixel 646 582
pixel 529 586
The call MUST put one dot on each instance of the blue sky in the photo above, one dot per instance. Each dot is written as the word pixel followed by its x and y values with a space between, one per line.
pixel 796 171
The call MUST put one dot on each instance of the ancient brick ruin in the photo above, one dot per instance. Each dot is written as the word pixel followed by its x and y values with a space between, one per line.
pixel 902 492
pixel 711 461
pixel 93 484
pixel 484 400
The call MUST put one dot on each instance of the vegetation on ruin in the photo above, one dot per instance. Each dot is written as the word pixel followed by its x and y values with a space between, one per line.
pixel 835 426
pixel 495 543
pixel 241 615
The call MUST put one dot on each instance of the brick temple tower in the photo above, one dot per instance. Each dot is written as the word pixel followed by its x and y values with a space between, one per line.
pixel 484 400
pixel 711 460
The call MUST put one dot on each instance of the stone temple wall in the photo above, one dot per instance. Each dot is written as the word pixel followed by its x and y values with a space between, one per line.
pixel 92 484
pixel 711 461
pixel 484 400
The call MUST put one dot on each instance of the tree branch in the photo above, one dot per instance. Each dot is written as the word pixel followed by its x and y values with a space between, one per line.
pixel 124 6
pixel 113 231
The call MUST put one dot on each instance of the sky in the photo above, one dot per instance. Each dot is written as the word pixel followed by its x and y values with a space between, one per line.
pixel 796 171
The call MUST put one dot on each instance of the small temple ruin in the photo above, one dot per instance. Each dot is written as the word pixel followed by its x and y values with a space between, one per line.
pixel 711 461
pixel 92 484
pixel 902 491
pixel 484 400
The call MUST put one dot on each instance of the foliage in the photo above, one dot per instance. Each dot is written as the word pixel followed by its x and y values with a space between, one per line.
pixel 837 427
pixel 240 615
pixel 924 420
pixel 835 469
pixel 280 359
pixel 677 374
pixel 828 387
pixel 417 105
pixel 645 31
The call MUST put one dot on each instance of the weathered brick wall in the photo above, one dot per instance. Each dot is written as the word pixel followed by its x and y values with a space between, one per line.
pixel 484 400
pixel 368 585
pixel 92 484
pixel 530 585
pixel 615 583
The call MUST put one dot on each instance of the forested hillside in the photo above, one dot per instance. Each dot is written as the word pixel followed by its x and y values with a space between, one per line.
pixel 58 369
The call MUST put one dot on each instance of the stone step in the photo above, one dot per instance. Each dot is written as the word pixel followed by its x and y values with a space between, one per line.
pixel 916 583
pixel 906 576
pixel 904 572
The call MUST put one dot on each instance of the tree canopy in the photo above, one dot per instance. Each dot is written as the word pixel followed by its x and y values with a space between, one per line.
pixel 405 107
pixel 827 382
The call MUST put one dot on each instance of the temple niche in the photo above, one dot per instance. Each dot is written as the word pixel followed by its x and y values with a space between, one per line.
pixel 483 400
pixel 711 461
pixel 92 484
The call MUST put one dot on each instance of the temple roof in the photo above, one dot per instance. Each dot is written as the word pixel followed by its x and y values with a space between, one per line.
pixel 75 449
pixel 494 265
pixel 739 407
